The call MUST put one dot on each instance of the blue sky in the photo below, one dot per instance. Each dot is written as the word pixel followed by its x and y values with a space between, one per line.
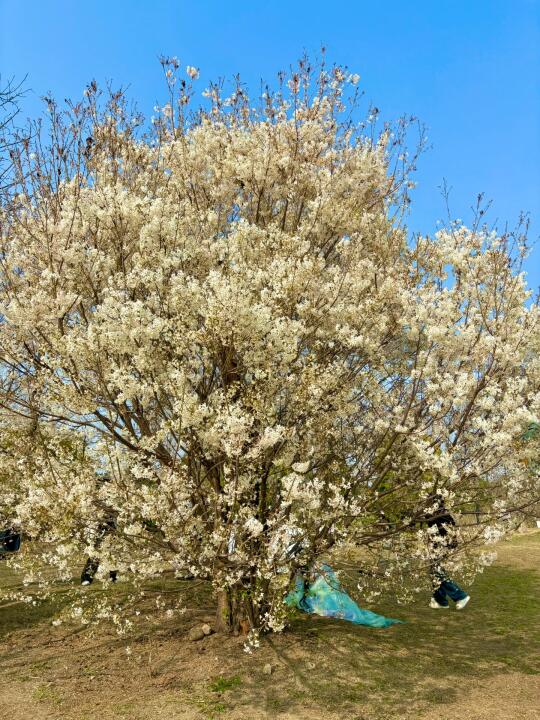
pixel 469 69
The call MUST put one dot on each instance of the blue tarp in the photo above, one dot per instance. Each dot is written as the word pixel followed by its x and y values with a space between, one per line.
pixel 325 597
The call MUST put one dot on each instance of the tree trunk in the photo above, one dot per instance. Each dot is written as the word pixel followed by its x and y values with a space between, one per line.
pixel 223 611
pixel 231 615
pixel 236 612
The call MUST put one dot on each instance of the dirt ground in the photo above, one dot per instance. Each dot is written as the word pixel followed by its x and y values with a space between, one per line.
pixel 478 664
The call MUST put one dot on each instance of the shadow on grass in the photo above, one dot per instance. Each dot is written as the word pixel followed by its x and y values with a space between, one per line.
pixel 420 663
pixel 16 616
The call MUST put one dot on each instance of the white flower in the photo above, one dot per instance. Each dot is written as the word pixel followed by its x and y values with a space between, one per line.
pixel 192 72
pixel 253 526
pixel 271 436
pixel 492 535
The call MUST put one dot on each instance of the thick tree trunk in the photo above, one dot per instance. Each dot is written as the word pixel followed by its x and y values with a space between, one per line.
pixel 223 611
pixel 231 613
pixel 236 613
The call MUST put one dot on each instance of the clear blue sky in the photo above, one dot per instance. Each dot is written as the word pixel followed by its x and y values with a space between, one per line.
pixel 470 69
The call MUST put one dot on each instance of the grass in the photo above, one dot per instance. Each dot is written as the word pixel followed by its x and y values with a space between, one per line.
pixel 221 684
pixel 497 633
pixel 47 694
pixel 322 668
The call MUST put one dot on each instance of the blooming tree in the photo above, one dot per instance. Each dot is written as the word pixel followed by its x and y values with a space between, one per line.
pixel 216 332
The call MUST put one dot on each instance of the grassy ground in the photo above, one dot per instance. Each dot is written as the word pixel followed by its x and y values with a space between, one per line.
pixel 476 664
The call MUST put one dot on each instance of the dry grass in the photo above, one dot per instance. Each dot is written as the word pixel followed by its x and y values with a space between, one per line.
pixel 477 664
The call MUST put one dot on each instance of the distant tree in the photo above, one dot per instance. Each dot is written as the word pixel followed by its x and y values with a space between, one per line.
pixel 529 447
pixel 224 316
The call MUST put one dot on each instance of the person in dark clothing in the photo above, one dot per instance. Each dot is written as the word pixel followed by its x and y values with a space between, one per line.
pixel 107 525
pixel 90 569
pixel 442 541
pixel 10 541
pixel 92 563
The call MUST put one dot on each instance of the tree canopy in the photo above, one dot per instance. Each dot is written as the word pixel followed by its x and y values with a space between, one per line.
pixel 217 331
